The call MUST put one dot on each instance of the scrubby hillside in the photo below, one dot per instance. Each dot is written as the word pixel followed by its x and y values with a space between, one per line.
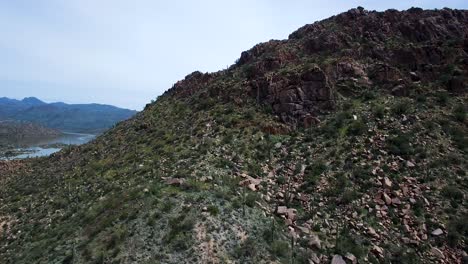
pixel 13 131
pixel 346 142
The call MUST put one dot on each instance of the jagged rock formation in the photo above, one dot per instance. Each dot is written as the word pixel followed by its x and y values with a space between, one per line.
pixel 356 49
pixel 346 142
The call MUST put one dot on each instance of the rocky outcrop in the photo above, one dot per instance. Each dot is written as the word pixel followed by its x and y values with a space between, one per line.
pixel 391 50
pixel 295 96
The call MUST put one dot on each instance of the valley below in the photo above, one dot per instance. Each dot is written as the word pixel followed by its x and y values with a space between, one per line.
pixel 42 146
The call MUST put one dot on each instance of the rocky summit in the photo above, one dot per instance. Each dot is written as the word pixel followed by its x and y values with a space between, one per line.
pixel 345 143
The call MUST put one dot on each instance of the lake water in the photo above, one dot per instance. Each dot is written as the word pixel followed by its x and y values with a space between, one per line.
pixel 45 147
pixel 67 138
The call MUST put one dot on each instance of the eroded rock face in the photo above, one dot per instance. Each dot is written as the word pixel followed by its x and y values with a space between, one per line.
pixel 300 78
pixel 190 84
pixel 294 97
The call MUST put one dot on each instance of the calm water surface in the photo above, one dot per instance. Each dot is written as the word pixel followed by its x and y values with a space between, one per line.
pixel 39 148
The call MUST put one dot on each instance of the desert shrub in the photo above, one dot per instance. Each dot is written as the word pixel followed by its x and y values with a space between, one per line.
pixel 369 95
pixel 346 242
pixel 270 233
pixel 279 248
pixel 317 168
pixel 255 169
pixel 421 98
pixel 361 174
pixel 452 193
pixel 118 234
pixel 340 181
pixel 281 180
pixel 213 210
pixel 249 71
pixel 333 126
pixel 348 196
pixel 180 228
pixel 401 107
pixel 459 112
pixel 400 145
pixel 442 97
pixel 457 229
pixel 458 135
pixel 378 110
pixel 312 174
pixel 399 254
pixel 356 128
pixel 205 103
pixel 167 206
pixel 250 199
pixel 247 249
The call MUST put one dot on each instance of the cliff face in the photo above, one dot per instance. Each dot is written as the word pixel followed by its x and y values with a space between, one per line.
pixel 346 142
pixel 301 77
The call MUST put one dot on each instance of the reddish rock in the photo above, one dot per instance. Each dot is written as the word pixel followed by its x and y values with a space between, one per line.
pixel 351 258
pixel 387 182
pixel 175 181
pixel 387 199
pixel 337 259
pixel 437 252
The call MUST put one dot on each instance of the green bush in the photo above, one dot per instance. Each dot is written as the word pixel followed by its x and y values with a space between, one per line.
pixel 400 145
pixel 332 127
pixel 368 95
pixel 247 249
pixel 279 248
pixel 457 228
pixel 442 97
pixel 347 243
pixel 459 112
pixel 249 71
pixel 401 107
pixel 250 199
pixel 378 110
pixel 213 210
pixel 458 135
pixel 452 193
pixel 348 196
pixel 405 255
pixel 312 175
pixel 317 168
pixel 180 228
pixel 356 128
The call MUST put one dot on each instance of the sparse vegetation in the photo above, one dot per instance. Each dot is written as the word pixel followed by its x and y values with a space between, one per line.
pixel 211 172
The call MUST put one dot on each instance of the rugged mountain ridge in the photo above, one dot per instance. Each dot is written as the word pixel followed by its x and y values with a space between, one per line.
pixel 355 50
pixel 344 143
pixel 85 118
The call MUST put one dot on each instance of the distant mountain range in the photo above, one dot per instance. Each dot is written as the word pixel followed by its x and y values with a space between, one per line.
pixel 84 118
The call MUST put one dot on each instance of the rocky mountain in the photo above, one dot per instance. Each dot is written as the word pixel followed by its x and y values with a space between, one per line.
pixel 345 143
pixel 86 118
pixel 11 131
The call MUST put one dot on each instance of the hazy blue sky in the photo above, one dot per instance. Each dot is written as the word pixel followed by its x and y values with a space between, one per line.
pixel 128 52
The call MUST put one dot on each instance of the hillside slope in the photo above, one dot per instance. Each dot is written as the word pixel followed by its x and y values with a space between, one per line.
pixel 346 141
pixel 82 118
